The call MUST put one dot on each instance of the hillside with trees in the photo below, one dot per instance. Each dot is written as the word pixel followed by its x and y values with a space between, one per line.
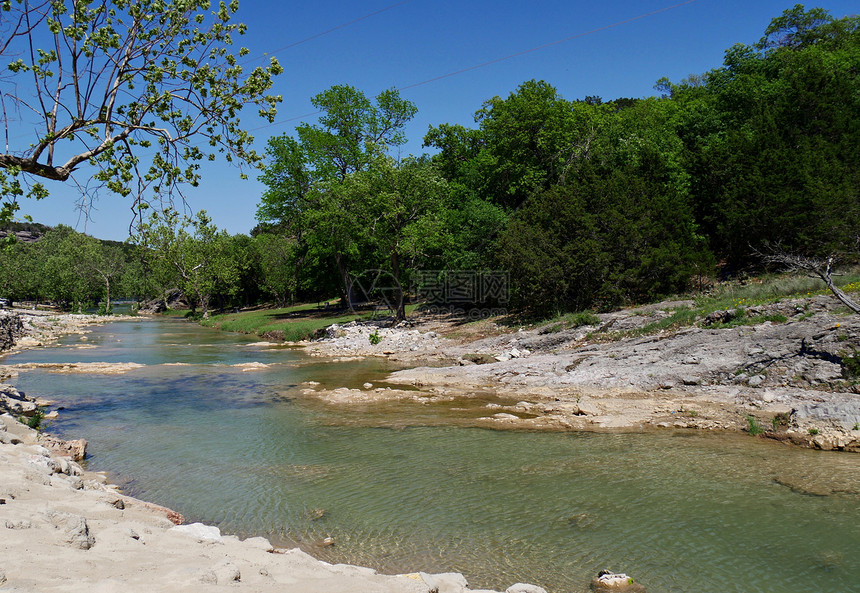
pixel 583 204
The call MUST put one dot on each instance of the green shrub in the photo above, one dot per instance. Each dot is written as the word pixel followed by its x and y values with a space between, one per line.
pixel 753 426
pixel 34 421
pixel 580 319
pixel 375 338
pixel 779 421
pixel 851 364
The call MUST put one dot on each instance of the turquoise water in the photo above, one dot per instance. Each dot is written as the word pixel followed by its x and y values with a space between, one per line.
pixel 406 487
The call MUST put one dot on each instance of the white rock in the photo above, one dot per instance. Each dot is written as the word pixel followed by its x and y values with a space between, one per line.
pixel 200 532
pixel 226 573
pixel 259 543
pixel 445 582
pixel 74 527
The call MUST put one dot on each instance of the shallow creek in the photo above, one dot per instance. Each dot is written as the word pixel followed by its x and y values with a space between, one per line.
pixel 411 487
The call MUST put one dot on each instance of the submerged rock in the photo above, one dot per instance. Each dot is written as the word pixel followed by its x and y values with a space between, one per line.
pixel 524 588
pixel 607 581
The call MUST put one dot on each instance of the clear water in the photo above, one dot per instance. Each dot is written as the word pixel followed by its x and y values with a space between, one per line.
pixel 405 487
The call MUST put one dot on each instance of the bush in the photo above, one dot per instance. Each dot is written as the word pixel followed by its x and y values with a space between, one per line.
pixel 34 421
pixel 753 427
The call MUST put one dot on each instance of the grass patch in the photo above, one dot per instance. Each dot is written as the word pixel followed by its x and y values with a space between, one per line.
pixel 771 288
pixel 289 324
pixel 569 321
pixel 34 421
pixel 779 421
pixel 851 364
pixel 292 324
pixel 743 318
pixel 680 317
pixel 753 427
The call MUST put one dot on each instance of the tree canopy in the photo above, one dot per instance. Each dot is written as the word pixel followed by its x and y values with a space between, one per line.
pixel 143 91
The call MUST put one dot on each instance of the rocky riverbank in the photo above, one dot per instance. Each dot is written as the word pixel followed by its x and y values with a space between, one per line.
pixel 98 539
pixel 788 370
pixel 21 329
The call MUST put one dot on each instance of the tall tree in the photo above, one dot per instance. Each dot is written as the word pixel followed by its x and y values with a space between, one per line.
pixel 301 172
pixel 399 206
pixel 773 139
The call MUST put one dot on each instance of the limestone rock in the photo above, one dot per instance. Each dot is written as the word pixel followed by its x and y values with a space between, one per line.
pixel 74 527
pixel 226 573
pixel 75 449
pixel 200 532
pixel 259 543
pixel 445 582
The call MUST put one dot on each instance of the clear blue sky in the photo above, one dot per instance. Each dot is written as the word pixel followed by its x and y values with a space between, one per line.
pixel 417 40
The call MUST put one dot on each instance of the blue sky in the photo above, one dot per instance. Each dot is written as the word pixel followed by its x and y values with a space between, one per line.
pixel 417 40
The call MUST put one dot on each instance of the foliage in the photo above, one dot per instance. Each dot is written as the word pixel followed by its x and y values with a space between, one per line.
pixel 619 231
pixel 34 421
pixel 304 174
pixel 753 427
pixel 104 83
pixel 192 252
pixel 851 364
pixel 68 268
pixel 772 139
pixel 780 420
pixel 290 324
pixel 374 338
pixel 397 206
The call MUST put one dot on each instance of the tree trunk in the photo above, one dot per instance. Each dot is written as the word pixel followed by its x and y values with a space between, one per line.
pixel 400 306
pixel 346 287
pixel 827 276
pixel 107 296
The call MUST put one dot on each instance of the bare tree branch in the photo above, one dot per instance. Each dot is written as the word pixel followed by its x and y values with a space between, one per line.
pixel 821 268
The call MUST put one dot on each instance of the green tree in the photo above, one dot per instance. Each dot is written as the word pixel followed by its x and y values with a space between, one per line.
pixel 280 262
pixel 107 263
pixel 774 141
pixel 620 231
pixel 131 88
pixel 398 205
pixel 65 276
pixel 195 250
pixel 303 173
